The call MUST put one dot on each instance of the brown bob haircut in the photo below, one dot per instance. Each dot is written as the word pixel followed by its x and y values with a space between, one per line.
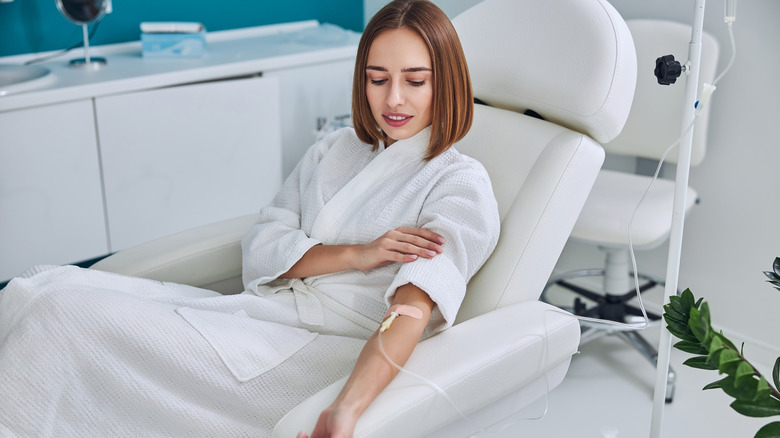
pixel 452 108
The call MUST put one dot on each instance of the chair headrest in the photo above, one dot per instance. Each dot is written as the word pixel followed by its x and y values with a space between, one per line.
pixel 571 61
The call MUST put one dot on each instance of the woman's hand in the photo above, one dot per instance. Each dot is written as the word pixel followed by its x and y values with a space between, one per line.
pixel 334 422
pixel 399 245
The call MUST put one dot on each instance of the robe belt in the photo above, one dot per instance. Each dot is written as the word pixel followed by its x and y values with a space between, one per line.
pixel 309 303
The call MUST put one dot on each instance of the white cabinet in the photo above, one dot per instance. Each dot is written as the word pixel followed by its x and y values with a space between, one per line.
pixel 180 157
pixel 51 203
pixel 79 181
pixel 100 161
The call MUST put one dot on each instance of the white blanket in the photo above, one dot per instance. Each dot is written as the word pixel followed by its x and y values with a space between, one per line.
pixel 89 353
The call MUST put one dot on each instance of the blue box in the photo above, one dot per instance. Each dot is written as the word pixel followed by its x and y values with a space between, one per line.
pixel 173 45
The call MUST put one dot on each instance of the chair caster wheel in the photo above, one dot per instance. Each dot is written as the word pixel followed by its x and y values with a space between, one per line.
pixel 672 378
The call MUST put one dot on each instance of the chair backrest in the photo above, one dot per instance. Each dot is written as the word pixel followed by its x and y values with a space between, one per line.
pixel 573 63
pixel 655 118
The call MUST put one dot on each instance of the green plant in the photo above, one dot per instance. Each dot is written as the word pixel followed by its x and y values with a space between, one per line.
pixel 689 320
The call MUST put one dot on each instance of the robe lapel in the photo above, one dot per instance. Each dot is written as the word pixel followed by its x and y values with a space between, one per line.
pixel 362 187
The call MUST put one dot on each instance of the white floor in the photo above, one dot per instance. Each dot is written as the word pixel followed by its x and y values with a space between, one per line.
pixel 608 392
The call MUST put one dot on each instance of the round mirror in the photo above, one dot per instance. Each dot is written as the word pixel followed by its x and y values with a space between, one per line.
pixel 82 11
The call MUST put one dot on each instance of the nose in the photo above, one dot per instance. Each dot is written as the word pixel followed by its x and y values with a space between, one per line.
pixel 395 96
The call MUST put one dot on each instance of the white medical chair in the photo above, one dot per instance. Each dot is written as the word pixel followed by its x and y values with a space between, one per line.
pixel 652 126
pixel 573 63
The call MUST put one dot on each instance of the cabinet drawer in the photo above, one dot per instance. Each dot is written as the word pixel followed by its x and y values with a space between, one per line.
pixel 185 156
pixel 51 203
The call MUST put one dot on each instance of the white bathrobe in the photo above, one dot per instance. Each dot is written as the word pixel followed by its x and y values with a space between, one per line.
pixel 89 353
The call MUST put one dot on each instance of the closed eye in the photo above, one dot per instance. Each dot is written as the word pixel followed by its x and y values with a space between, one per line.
pixel 377 81
pixel 416 83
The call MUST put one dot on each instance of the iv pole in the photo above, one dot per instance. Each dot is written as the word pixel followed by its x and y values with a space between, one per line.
pixel 678 214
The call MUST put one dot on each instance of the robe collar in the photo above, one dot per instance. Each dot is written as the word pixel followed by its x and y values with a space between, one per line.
pixel 362 187
pixel 418 143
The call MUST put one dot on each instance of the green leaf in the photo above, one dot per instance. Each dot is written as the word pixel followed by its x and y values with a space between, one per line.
pixel 679 305
pixel 705 313
pixel 705 322
pixel 726 341
pixel 776 372
pixel 672 320
pixel 716 346
pixel 681 331
pixel 700 362
pixel 744 371
pixel 773 278
pixel 762 389
pixel 691 347
pixel 771 430
pixel 686 299
pixel 675 314
pixel 764 408
pixel 718 384
pixel 697 325
pixel 679 325
pixel 685 336
pixel 747 390
pixel 682 303
pixel 728 361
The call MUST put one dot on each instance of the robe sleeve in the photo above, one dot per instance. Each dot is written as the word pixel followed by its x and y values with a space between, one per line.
pixel 462 208
pixel 276 241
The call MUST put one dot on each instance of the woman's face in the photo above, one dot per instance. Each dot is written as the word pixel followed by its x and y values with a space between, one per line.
pixel 398 83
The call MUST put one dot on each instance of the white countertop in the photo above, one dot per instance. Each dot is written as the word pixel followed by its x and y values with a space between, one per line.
pixel 229 53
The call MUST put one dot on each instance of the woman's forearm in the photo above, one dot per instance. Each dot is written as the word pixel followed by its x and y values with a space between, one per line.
pixel 323 259
pixel 373 372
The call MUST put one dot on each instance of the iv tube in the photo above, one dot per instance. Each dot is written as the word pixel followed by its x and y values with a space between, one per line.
pixel 729 10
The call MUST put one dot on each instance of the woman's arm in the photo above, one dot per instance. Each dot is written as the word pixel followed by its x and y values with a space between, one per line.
pixel 373 372
pixel 399 245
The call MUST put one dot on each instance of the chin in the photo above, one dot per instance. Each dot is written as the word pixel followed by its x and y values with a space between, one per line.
pixel 396 134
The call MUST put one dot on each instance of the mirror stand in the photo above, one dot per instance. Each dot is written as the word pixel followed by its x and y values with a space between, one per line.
pixel 87 62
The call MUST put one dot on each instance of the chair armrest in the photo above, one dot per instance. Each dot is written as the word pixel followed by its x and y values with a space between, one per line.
pixel 203 256
pixel 477 363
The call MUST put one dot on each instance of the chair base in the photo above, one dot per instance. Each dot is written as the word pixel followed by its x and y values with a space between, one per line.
pixel 612 307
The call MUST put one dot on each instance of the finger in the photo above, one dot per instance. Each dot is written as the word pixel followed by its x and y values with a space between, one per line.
pixel 419 242
pixel 409 249
pixel 400 252
pixel 424 233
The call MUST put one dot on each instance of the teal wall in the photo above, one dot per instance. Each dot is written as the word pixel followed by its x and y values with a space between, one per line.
pixel 28 26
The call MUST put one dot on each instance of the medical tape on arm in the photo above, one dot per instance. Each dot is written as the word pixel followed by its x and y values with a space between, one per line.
pixel 397 310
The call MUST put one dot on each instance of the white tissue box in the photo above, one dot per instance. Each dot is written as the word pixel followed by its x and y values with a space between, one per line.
pixel 173 40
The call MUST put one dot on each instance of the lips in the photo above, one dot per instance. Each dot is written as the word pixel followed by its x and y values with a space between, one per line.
pixel 396 120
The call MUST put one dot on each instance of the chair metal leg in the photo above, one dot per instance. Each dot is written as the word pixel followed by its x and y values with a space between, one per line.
pixel 637 341
pixel 612 305
pixel 568 276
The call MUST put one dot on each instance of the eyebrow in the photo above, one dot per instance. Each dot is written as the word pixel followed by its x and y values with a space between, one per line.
pixel 405 70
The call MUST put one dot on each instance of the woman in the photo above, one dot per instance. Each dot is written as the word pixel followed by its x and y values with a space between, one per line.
pixel 91 353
